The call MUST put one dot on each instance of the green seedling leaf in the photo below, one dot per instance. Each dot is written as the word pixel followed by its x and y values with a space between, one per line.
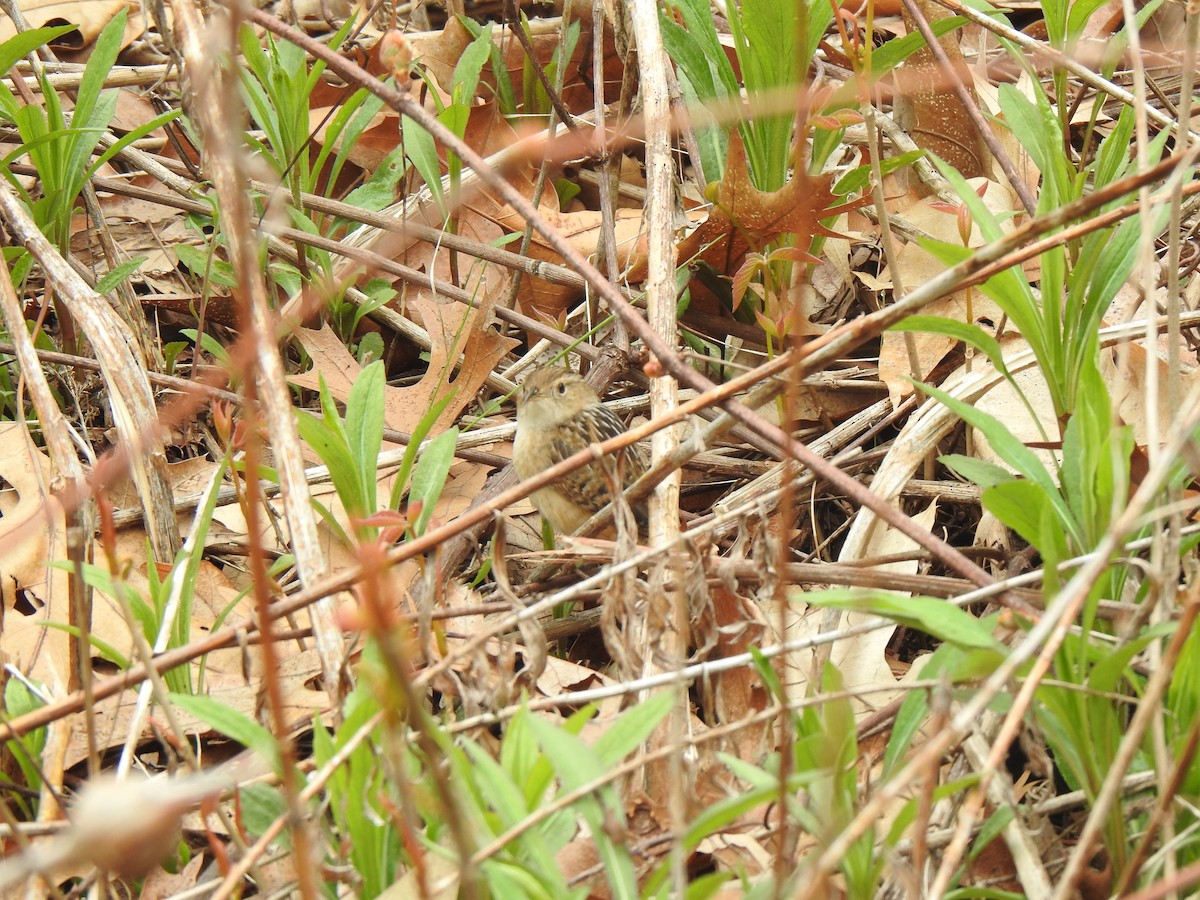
pixel 19 699
pixel 915 708
pixel 370 348
pixel 205 265
pixel 466 72
pixel 1112 157
pixel 1011 450
pixel 414 445
pixel 984 474
pixel 327 437
pixel 504 797
pixel 633 727
pixel 1025 508
pixel 504 89
pixel 566 190
pixel 422 152
pixel 260 805
pixel 969 334
pixel 429 477
pixel 21 45
pixel 364 424
pixel 894 52
pixel 858 178
pixel 112 278
pixel 576 764
pixel 232 724
pixel 379 190
pixel 938 618
pixel 105 649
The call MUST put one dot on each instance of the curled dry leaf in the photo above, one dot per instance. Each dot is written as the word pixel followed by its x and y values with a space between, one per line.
pixel 929 109
pixel 33 533
pixel 460 336
pixel 743 218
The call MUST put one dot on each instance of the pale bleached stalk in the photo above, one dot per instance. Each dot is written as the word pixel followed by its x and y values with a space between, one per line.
pixel 672 642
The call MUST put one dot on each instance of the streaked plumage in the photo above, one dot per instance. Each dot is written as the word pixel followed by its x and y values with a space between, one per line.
pixel 558 415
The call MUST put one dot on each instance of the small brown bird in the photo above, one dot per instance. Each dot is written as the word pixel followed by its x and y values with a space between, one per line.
pixel 558 415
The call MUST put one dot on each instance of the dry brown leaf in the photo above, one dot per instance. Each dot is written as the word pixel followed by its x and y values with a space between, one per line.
pixel 739 693
pixel 33 534
pixel 90 15
pixel 928 107
pixel 455 329
pixel 917 266
pixel 743 218
pixel 583 231
pixel 228 684
pixel 1123 368
pixel 161 884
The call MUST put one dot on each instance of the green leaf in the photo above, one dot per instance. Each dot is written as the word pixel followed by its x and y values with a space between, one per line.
pixel 1112 157
pixel 421 150
pixel 106 650
pixel 100 62
pixel 21 45
pixel 260 805
pixel 1024 507
pixel 914 709
pixel 984 474
pixel 205 265
pixel 414 445
pixel 329 443
pixel 1033 123
pixel 208 344
pixel 231 723
pixel 364 422
pixel 939 618
pixel 466 71
pixel 633 727
pixel 894 52
pixel 969 334
pixel 1011 450
pixel 502 793
pixel 115 276
pixel 576 765
pixel 857 178
pixel 429 477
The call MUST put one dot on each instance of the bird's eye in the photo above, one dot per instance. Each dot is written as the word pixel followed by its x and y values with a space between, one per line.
pixel 561 387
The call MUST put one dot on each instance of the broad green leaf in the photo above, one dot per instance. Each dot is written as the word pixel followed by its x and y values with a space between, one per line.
pixel 1024 506
pixel 231 723
pixel 576 765
pixel 364 419
pixel 857 178
pixel 114 277
pixel 1011 450
pixel 633 727
pixel 962 331
pixel 259 805
pixel 429 477
pixel 420 149
pixel 984 474
pixel 939 618
pixel 414 445
pixel 21 45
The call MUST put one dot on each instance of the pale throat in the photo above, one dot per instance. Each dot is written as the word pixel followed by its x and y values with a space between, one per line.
pixel 544 413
